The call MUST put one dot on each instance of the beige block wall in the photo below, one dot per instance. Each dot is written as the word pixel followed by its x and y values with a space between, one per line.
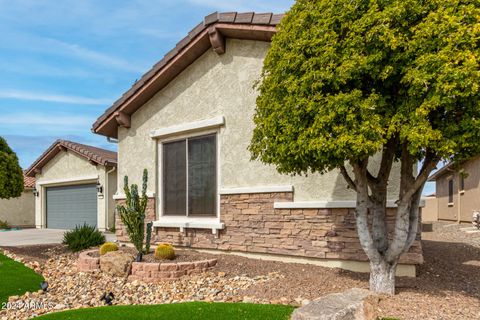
pixel 220 86
pixel 19 211
pixel 430 210
pixel 67 168
pixel 463 202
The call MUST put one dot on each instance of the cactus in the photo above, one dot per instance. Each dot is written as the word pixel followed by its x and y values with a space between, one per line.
pixel 132 213
pixel 164 251
pixel 108 247
pixel 148 238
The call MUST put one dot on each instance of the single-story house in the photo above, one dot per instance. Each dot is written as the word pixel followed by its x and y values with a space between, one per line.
pixel 457 190
pixel 430 209
pixel 189 121
pixel 20 212
pixel 75 184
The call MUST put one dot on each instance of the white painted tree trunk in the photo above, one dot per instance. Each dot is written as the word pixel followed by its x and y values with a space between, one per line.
pixel 382 277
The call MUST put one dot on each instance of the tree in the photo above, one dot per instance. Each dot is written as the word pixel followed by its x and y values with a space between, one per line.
pixel 349 80
pixel 11 174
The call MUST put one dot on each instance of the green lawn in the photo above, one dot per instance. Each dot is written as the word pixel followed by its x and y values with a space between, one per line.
pixel 180 311
pixel 16 279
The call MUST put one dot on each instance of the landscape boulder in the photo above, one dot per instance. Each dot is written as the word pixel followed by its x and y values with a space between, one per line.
pixel 116 263
pixel 348 305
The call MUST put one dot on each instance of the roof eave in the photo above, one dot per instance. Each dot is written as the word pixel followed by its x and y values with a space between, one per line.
pixel 204 36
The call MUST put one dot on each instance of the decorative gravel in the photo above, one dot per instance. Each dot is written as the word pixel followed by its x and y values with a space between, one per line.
pixel 447 286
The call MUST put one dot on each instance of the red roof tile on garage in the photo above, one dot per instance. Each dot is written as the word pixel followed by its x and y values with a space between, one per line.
pixel 28 182
pixel 93 154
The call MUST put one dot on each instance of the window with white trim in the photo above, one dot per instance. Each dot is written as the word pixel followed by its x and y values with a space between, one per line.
pixel 190 176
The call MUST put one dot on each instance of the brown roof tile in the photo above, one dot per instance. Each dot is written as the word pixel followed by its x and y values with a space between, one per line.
pixel 93 154
pixel 261 27
pixel 28 182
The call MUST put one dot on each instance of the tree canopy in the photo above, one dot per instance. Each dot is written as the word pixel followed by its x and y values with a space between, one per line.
pixel 11 175
pixel 344 76
pixel 346 80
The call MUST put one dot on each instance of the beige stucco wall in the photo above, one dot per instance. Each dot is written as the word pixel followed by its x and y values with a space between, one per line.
pixel 430 210
pixel 19 211
pixel 219 86
pixel 463 202
pixel 67 168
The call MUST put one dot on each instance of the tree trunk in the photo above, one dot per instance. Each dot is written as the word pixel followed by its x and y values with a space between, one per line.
pixel 382 277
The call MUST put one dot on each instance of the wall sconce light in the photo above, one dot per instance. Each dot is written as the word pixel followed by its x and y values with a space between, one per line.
pixel 35 192
pixel 99 187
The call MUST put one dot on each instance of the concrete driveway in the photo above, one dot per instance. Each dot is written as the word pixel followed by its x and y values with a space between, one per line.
pixel 26 237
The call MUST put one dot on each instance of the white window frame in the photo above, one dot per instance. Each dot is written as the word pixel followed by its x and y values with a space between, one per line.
pixel 184 221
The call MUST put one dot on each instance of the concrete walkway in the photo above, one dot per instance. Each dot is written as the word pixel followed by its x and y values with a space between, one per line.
pixel 27 237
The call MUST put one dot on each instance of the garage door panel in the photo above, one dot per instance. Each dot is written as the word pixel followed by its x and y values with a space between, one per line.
pixel 68 206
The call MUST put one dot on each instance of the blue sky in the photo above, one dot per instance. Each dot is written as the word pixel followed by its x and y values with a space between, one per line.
pixel 64 62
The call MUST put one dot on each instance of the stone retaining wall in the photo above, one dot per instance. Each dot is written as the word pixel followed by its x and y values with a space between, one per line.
pixel 151 272
pixel 253 225
pixel 87 263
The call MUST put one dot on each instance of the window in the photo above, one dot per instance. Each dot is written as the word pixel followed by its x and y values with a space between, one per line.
pixel 462 182
pixel 450 191
pixel 190 177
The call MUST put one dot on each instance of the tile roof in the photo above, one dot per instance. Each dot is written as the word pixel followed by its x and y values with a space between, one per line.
pixel 28 182
pixel 247 25
pixel 93 154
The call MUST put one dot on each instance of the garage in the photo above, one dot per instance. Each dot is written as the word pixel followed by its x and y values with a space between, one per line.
pixel 69 206
pixel 74 185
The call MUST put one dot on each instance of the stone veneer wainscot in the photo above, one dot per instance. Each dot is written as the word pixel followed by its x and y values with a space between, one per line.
pixel 253 225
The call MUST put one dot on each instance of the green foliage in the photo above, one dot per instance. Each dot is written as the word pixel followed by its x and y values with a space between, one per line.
pixel 108 247
pixel 4 224
pixel 344 76
pixel 164 251
pixel 132 213
pixel 11 175
pixel 149 237
pixel 83 237
pixel 16 279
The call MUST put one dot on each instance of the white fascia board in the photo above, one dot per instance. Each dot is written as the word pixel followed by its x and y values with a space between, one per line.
pixel 322 204
pixel 262 189
pixel 69 180
pixel 123 197
pixel 188 127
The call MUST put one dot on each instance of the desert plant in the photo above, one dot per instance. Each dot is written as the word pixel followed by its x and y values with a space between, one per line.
pixel 4 224
pixel 132 213
pixel 148 238
pixel 164 251
pixel 83 237
pixel 107 247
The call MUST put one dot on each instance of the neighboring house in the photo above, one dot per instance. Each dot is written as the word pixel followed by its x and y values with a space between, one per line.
pixel 75 184
pixel 430 209
pixel 20 212
pixel 458 190
pixel 189 122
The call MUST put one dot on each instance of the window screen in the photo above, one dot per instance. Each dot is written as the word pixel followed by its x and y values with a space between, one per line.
pixel 190 177
pixel 174 178
pixel 450 191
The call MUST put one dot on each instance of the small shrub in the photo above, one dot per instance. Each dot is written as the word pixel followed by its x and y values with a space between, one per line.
pixel 4 224
pixel 83 237
pixel 164 251
pixel 108 247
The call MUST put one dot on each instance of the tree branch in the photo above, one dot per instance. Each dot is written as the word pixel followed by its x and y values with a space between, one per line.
pixel 347 178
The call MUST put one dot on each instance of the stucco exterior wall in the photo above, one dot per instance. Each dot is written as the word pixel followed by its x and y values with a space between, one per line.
pixel 220 86
pixel 463 202
pixel 19 211
pixel 430 210
pixel 67 168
